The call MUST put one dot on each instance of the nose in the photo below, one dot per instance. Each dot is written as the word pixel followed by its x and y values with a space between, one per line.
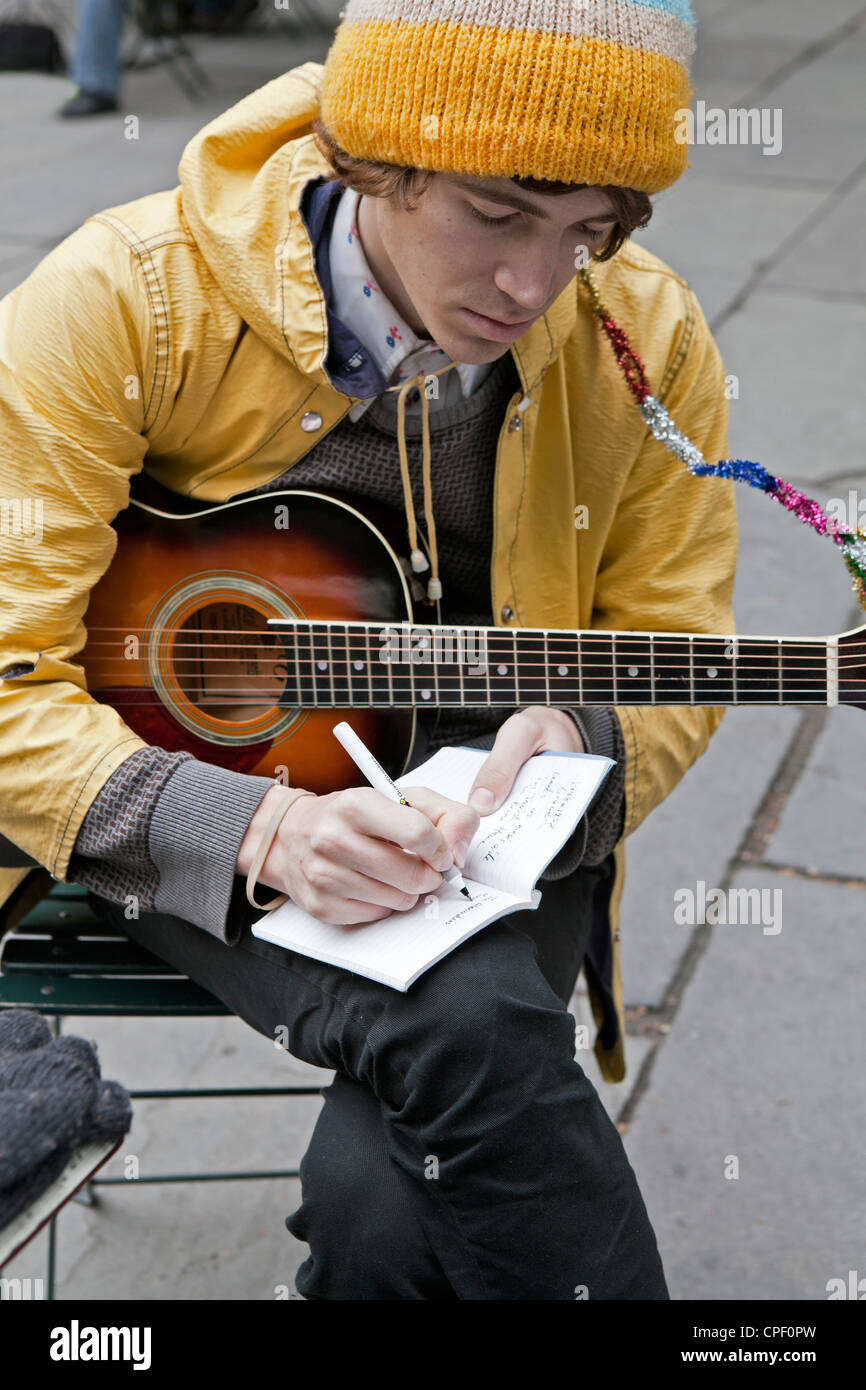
pixel 527 281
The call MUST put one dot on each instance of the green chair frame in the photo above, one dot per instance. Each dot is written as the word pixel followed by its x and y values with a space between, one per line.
pixel 57 957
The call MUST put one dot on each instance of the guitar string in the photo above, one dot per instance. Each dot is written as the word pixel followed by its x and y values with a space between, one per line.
pixel 812 649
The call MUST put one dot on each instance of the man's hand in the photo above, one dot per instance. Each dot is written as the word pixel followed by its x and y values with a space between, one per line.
pixel 538 729
pixel 341 857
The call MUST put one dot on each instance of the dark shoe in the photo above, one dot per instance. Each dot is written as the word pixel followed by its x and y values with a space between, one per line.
pixel 87 103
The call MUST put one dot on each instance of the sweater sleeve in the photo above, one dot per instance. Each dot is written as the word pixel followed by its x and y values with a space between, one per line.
pixel 163 834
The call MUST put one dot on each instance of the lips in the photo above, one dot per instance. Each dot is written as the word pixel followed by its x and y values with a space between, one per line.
pixel 498 330
pixel 503 323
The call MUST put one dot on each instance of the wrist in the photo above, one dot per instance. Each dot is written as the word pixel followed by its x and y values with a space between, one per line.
pixel 255 829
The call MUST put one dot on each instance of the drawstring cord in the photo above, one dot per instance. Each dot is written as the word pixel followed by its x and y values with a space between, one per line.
pixel 418 559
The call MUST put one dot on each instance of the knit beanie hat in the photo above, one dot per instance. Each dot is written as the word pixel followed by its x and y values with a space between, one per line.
pixel 577 91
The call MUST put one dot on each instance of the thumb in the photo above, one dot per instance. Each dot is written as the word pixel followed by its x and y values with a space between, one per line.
pixel 513 745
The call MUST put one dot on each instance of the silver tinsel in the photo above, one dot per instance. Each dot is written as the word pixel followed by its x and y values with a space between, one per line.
pixel 665 431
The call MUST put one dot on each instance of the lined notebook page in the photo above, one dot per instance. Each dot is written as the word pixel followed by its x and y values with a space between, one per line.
pixel 400 947
pixel 514 845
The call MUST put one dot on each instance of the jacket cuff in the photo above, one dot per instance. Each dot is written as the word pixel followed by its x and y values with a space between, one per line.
pixel 595 724
pixel 196 831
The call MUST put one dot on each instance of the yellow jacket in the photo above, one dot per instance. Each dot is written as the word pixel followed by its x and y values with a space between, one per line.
pixel 184 333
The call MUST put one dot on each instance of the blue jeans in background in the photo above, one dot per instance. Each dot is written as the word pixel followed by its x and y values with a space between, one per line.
pixel 96 62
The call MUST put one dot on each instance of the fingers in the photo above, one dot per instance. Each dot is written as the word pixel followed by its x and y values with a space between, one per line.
pixel 337 884
pixel 360 866
pixel 534 730
pixel 518 738
pixel 454 820
pixel 427 827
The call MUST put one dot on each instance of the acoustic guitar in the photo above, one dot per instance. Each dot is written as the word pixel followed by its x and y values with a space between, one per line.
pixel 237 631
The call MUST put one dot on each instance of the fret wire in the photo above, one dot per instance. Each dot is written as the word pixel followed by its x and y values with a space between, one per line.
pixel 297 664
pixel 487 669
pixel 691 671
pixel 435 676
pixel 734 654
pixel 546 667
pixel 411 653
pixel 580 669
pixel 370 675
pixel 779 640
pixel 613 666
pixel 517 700
pixel 652 644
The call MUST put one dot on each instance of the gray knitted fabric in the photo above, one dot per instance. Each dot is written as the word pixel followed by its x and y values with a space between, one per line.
pixel 52 1100
pixel 143 832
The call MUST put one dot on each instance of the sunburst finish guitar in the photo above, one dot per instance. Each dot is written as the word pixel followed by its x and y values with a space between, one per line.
pixel 236 631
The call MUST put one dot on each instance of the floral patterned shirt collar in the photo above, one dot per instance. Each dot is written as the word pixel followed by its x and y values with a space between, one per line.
pixel 358 300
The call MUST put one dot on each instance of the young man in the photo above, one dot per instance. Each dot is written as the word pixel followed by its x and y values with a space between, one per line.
pixel 251 331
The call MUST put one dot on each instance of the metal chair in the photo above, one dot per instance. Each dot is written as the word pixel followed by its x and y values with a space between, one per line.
pixel 58 957
pixel 160 22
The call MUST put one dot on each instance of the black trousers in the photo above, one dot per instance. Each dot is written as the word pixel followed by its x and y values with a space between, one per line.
pixel 461 1152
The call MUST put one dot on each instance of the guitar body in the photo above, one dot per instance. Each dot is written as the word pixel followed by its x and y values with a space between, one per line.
pixel 177 635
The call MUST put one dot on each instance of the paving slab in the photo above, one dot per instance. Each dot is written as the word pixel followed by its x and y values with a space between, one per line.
pixel 764 1065
pixel 801 411
pixel 823 825
pixel 693 835
pixel 787 19
pixel 697 225
pixel 830 257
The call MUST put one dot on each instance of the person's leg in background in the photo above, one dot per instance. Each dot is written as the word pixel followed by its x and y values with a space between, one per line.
pixel 95 66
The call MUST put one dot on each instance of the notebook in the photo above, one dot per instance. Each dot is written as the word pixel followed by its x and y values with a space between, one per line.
pixel 510 850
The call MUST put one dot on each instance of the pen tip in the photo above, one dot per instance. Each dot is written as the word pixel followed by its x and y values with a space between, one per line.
pixel 465 892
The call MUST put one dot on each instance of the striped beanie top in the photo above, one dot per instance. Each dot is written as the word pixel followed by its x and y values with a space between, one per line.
pixel 578 91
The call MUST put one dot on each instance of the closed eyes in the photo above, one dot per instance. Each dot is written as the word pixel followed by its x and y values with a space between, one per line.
pixel 510 217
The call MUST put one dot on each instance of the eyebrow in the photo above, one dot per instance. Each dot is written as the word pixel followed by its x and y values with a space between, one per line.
pixel 515 200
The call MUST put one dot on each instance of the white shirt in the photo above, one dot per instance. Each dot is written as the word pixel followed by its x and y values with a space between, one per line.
pixel 362 305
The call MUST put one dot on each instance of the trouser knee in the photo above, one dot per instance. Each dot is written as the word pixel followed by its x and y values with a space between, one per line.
pixel 360 1214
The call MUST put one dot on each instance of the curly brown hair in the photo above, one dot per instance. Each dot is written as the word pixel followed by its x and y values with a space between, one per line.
pixel 405 183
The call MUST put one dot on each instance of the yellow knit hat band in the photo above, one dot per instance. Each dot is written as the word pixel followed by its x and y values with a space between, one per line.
pixel 554 90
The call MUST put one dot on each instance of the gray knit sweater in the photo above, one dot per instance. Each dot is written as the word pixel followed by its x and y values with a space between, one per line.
pixel 163 833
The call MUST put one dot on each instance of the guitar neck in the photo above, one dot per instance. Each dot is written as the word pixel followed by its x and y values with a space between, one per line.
pixel 368 664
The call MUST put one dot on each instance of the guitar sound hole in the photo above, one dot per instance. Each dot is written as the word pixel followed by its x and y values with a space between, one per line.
pixel 227 663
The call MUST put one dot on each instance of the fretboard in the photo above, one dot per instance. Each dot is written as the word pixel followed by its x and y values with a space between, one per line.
pixel 345 665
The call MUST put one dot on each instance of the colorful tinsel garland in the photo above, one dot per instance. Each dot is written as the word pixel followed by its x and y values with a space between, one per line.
pixel 852 542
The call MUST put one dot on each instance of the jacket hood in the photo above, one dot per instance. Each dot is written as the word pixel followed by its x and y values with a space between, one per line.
pixel 241 180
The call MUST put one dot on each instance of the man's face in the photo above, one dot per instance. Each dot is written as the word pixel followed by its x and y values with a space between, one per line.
pixel 473 285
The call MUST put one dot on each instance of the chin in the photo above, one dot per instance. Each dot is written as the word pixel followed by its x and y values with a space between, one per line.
pixel 465 347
